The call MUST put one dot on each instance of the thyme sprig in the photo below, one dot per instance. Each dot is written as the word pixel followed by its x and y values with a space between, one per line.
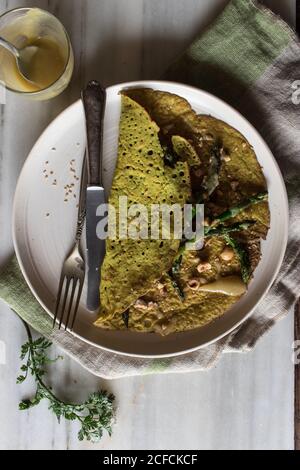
pixel 95 415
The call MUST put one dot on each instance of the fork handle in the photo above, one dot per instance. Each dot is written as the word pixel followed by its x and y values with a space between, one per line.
pixel 94 98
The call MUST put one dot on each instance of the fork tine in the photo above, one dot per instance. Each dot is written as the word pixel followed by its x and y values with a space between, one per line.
pixel 74 279
pixel 64 302
pixel 61 282
pixel 77 304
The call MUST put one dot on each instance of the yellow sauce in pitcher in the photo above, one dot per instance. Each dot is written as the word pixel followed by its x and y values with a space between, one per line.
pixel 52 60
pixel 45 67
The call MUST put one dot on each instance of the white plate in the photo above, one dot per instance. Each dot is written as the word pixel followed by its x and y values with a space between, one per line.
pixel 44 224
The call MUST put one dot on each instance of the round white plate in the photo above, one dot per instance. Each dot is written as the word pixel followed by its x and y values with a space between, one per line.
pixel 44 219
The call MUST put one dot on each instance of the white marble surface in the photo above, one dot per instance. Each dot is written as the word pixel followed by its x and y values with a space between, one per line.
pixel 246 402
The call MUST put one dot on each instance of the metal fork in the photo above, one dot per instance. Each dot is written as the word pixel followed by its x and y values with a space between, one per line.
pixel 73 271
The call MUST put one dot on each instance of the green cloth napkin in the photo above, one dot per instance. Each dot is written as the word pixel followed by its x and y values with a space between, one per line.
pixel 250 58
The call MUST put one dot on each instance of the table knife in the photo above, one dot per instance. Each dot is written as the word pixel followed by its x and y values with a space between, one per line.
pixel 94 99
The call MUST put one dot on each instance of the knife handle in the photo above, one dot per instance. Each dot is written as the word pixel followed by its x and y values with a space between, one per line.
pixel 94 99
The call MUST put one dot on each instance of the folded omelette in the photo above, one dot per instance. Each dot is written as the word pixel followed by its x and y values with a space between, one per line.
pixel 170 155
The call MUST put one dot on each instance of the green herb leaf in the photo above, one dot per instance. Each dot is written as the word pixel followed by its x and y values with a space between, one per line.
pixel 125 318
pixel 236 210
pixel 170 158
pixel 177 265
pixel 95 415
pixel 176 285
pixel 223 229
pixel 242 255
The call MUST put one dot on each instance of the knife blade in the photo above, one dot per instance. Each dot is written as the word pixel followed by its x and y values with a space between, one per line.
pixel 94 99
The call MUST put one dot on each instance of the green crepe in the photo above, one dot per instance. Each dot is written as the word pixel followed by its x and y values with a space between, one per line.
pixel 196 139
pixel 131 266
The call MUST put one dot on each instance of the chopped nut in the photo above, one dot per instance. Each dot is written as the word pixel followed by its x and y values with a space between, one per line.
pixel 224 155
pixel 227 254
pixel 202 280
pixel 152 304
pixel 218 266
pixel 206 222
pixel 234 185
pixel 244 145
pixel 204 266
pixel 208 137
pixel 193 284
pixel 147 323
pixel 198 173
pixel 161 288
pixel 141 304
